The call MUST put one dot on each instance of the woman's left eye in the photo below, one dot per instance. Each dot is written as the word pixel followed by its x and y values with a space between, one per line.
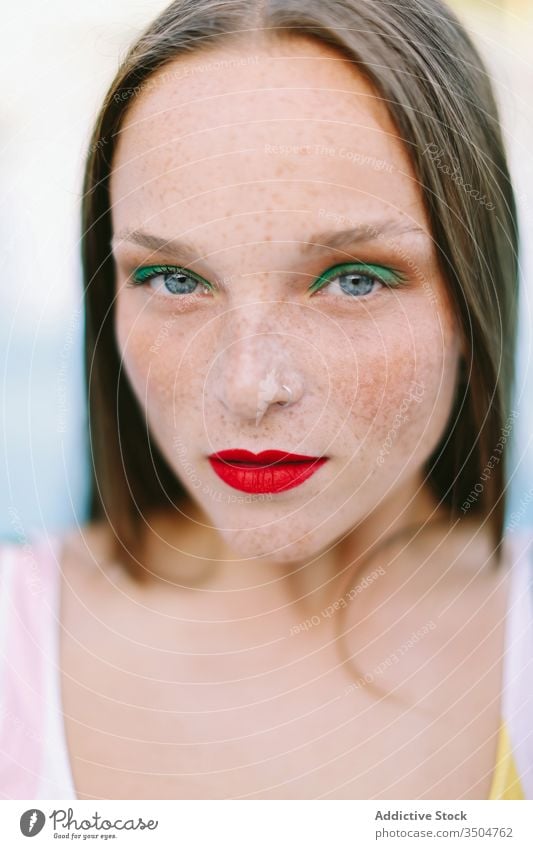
pixel 358 279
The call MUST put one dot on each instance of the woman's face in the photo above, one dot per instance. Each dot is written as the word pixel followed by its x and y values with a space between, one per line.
pixel 269 231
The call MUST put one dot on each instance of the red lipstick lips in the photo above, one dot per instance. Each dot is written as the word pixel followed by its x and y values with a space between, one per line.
pixel 269 471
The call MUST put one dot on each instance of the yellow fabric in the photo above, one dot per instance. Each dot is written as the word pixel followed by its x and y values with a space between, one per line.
pixel 505 780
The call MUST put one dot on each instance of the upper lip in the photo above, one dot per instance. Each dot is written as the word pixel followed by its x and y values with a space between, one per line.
pixel 264 457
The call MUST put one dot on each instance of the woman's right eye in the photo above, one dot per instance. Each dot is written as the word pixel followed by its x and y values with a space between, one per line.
pixel 169 280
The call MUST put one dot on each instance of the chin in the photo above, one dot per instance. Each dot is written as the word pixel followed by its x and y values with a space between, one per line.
pixel 261 544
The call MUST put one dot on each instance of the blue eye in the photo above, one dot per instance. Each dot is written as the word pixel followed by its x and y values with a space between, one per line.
pixel 358 279
pixel 171 279
pixel 353 279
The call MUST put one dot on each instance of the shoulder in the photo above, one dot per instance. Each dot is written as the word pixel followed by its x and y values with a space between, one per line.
pixel 476 562
pixel 88 546
pixel 88 564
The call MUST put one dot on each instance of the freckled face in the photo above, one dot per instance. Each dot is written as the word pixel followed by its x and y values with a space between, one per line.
pixel 256 160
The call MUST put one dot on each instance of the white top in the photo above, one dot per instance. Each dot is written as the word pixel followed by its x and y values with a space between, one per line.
pixel 34 757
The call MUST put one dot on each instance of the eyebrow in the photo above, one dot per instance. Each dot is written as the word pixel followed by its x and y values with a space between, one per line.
pixel 369 232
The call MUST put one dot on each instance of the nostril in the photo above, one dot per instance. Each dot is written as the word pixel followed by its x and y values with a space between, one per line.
pixel 288 390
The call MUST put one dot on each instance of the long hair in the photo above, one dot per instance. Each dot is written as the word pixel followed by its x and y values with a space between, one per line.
pixel 432 80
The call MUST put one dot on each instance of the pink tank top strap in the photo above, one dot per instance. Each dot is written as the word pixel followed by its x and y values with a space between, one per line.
pixel 28 617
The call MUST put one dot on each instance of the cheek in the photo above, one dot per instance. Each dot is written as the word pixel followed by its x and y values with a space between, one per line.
pixel 162 374
pixel 402 391
pixel 156 364
pixel 134 337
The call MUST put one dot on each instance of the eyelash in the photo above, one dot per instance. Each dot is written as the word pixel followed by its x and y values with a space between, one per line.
pixel 386 276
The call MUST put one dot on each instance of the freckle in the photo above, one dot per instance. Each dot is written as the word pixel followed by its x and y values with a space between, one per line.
pixel 284 170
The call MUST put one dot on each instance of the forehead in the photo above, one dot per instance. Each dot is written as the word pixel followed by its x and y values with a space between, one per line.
pixel 270 136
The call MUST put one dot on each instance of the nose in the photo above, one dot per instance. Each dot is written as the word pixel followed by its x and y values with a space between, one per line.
pixel 256 363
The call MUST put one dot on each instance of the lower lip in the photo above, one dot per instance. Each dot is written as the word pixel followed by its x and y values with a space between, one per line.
pixel 277 477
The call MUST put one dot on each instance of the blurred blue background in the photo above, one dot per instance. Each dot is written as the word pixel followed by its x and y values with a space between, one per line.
pixel 59 58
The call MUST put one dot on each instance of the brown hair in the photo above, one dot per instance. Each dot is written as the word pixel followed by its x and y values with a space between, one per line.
pixel 423 65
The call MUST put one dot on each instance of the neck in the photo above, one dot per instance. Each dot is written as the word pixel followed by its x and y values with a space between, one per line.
pixel 188 552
